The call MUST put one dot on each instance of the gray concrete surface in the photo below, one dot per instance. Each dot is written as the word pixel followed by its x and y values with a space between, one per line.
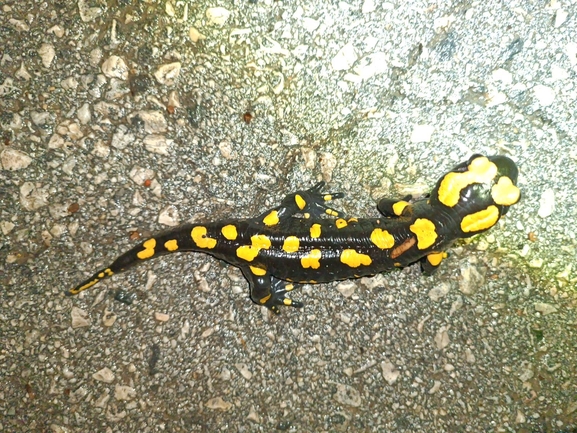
pixel 116 113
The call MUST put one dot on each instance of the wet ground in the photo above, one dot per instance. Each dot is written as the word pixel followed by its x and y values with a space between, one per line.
pixel 119 118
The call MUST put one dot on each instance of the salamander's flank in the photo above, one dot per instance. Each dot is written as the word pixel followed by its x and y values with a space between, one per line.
pixel 304 240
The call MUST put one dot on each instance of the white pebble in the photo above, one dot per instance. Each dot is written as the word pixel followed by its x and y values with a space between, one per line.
pixel 217 16
pixel 544 94
pixel 169 216
pixel 56 30
pixel 503 76
pixel 544 308
pixel 79 318
pixel 105 375
pixel 390 372
pixel 346 288
pixel 195 35
pixel 83 114
pixel 442 339
pixel 122 392
pixel 310 24
pixel 47 54
pixel 347 395
pixel 345 58
pixel 368 6
pixel 6 227
pixel 546 203
pixel 157 144
pixel 560 17
pixel 154 121
pixel 139 174
pixel 372 65
pixel 218 403
pixel 161 317
pixel 13 159
pixel 168 73
pixel 422 133
pixel 244 371
pixel 558 73
pixel 122 137
pixel 115 67
pixel 438 292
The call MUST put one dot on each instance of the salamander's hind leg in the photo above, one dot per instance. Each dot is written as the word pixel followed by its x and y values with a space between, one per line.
pixel 269 291
pixel 395 208
pixel 430 263
pixel 309 203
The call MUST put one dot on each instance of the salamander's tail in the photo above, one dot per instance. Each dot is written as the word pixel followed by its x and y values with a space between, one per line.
pixel 100 275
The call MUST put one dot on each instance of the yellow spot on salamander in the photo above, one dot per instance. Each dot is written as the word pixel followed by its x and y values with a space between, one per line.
pixel 504 192
pixel 481 170
pixel 271 219
pixel 171 245
pixel 257 271
pixel 148 250
pixel 340 223
pixel 382 238
pixel 229 232
pixel 311 260
pixel 327 197
pixel 265 299
pixel 288 302
pixel 481 220
pixel 249 252
pixel 354 259
pixel 331 212
pixel 399 207
pixel 353 220
pixel 425 231
pixel 436 258
pixel 301 203
pixel 199 237
pixel 101 275
pixel 291 244
pixel 315 231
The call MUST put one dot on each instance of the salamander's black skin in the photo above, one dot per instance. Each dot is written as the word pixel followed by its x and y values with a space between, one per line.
pixel 304 241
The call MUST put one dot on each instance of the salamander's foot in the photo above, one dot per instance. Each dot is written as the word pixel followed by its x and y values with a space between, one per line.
pixel 278 297
pixel 312 202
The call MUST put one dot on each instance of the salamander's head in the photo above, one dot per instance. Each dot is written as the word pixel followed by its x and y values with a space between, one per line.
pixel 479 191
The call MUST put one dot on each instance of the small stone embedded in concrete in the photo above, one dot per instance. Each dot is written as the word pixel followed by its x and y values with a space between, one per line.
pixel 169 216
pixel 253 415
pixel 23 73
pixel 545 95
pixel 108 318
pixel 436 386
pixel 83 114
pixel 122 137
pixel 161 317
pixel 348 395
pixel 33 196
pixel 422 133
pixel 217 15
pixel 346 288
pixel 139 174
pixel 47 54
pixel 345 58
pixel 167 74
pixel 390 372
pixel 153 120
pixel 218 403
pixel 79 318
pixel 115 67
pixel 88 13
pixel 560 17
pixel 442 339
pixel 6 227
pixel 328 164
pixel 438 292
pixel 243 370
pixel 544 308
pixel 371 65
pixel 105 375
pixel 124 393
pixel 13 159
pixel 471 280
pixel 546 203
pixel 195 35
pixel 156 143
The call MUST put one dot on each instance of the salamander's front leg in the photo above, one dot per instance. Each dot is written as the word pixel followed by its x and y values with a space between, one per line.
pixel 269 291
pixel 309 203
pixel 430 263
pixel 395 208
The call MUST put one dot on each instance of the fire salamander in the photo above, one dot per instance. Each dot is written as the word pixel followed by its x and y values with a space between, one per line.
pixel 292 243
